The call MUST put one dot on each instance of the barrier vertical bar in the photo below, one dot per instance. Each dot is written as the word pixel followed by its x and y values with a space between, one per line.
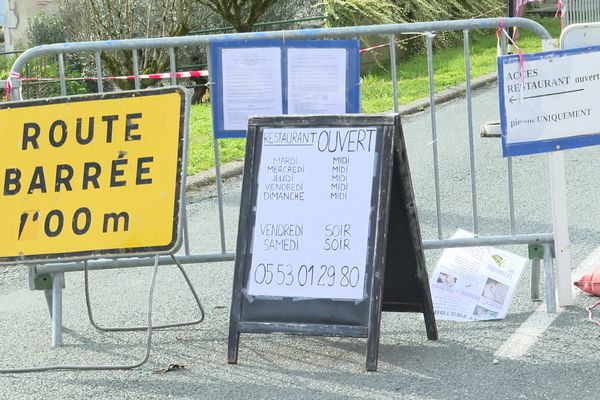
pixel 588 10
pixel 136 69
pixel 61 74
pixel 220 194
pixel 57 278
pixel 57 284
pixel 394 71
pixel 48 296
pixel 511 195
pixel 172 63
pixel 535 279
pixel 186 236
pixel 436 171
pixel 549 280
pixel 469 96
pixel 99 73
pixel 218 176
pixel 27 73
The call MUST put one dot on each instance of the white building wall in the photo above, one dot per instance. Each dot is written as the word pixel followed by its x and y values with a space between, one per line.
pixel 17 14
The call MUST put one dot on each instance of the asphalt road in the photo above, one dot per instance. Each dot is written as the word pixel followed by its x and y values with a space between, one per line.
pixel 528 355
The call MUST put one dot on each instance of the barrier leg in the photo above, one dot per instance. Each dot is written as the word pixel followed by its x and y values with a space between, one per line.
pixel 57 285
pixel 48 295
pixel 549 280
pixel 535 279
pixel 536 253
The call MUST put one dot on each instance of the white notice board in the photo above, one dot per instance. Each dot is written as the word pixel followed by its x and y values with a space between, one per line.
pixel 275 77
pixel 313 205
pixel 554 106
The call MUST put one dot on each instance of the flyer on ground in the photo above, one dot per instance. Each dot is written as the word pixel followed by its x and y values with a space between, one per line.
pixel 474 283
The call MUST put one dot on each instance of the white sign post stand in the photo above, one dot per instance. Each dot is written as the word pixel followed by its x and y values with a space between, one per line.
pixel 548 103
pixel 578 35
pixel 562 244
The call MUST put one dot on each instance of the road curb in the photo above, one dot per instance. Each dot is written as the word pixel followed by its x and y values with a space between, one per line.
pixel 209 177
pixel 235 168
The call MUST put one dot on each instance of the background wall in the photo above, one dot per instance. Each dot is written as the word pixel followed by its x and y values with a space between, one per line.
pixel 17 13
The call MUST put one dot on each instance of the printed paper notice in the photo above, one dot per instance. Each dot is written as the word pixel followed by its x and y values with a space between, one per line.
pixel 251 85
pixel 474 283
pixel 316 81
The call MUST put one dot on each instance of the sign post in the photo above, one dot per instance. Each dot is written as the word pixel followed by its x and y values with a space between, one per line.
pixel 92 176
pixel 314 216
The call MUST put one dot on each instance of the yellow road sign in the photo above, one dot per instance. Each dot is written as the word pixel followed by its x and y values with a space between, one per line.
pixel 89 176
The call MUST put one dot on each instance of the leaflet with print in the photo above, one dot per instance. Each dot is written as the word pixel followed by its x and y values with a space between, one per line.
pixel 474 283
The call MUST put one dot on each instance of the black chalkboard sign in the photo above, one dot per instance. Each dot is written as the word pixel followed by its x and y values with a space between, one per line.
pixel 327 216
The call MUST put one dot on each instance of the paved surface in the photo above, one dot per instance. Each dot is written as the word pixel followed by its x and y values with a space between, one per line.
pixel 538 356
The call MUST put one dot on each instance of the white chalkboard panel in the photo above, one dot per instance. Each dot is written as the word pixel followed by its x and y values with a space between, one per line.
pixel 313 207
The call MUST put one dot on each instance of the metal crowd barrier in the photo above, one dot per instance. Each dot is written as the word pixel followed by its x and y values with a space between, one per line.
pixel 580 11
pixel 545 241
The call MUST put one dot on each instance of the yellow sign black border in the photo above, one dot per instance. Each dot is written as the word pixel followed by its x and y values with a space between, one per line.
pixel 176 241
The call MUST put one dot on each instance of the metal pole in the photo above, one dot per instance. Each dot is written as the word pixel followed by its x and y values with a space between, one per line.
pixel 394 71
pixel 549 280
pixel 48 296
pixel 61 74
pixel 136 69
pixel 300 34
pixel 535 279
pixel 218 175
pixel 220 195
pixel 470 132
pixel 436 173
pixel 57 284
pixel 511 195
pixel 173 66
pixel 99 74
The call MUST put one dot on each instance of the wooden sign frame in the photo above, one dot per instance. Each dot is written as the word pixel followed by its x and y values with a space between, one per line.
pixel 336 317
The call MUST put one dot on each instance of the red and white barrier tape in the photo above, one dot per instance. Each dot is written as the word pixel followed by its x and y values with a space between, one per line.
pixel 8 86
pixel 560 9
pixel 164 75
pixel 373 47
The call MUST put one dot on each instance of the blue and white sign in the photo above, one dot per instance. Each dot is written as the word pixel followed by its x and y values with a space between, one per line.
pixel 550 101
pixel 274 77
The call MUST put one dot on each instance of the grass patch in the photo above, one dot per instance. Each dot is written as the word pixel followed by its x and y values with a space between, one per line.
pixel 376 88
pixel 201 146
pixel 448 66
